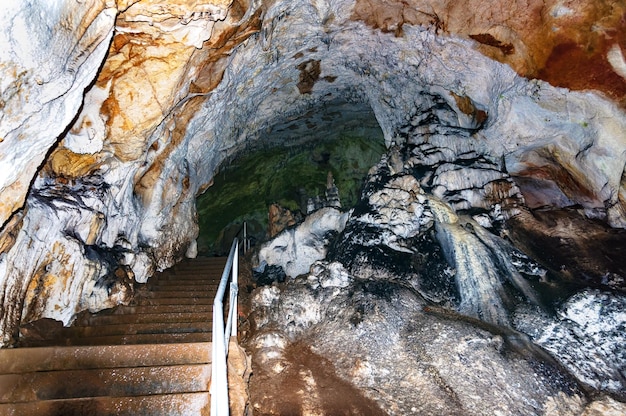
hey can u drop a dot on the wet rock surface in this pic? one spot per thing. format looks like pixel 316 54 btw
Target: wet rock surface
pixel 383 338
pixel 428 307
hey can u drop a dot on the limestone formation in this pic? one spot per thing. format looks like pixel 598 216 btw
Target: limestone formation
pixel 393 307
pixel 116 115
pixel 297 248
pixel 51 52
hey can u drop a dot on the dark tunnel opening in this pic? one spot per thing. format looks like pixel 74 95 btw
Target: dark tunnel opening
pixel 290 170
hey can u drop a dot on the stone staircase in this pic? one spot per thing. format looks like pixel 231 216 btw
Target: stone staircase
pixel 152 357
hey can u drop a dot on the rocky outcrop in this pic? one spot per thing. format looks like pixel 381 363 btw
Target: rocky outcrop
pixel 550 40
pixel 295 249
pixel 427 310
pixel 406 356
pixel 279 218
pixel 586 336
pixel 51 53
pixel 116 186
pixel 186 86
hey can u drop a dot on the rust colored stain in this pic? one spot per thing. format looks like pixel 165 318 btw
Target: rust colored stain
pixel 464 103
pixel 487 39
pixel 10 231
pixel 391 16
pixel 498 190
pixel 572 66
pixel 556 238
pixel 211 62
pixel 566 51
pixel 65 164
pixel 466 106
pixel 281 394
pixel 309 73
pixel 119 41
pixel 145 185
pixel 568 184
pixel 212 66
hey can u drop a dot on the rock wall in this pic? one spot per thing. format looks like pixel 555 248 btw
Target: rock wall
pixel 187 85
pixel 428 309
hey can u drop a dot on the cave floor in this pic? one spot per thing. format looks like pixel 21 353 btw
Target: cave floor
pixel 306 383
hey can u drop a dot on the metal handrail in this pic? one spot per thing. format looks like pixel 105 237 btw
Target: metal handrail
pixel 221 334
pixel 243 232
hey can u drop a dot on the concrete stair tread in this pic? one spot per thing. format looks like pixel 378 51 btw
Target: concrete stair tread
pixel 180 293
pixel 179 301
pixel 184 285
pixel 25 360
pixel 112 382
pixel 170 338
pixel 152 309
pixel 140 318
pixel 135 328
pixel 155 405
pixel 151 357
pixel 188 277
pixel 180 280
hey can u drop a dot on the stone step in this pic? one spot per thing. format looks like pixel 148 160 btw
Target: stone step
pixel 183 280
pixel 216 263
pixel 198 265
pixel 26 360
pixel 204 259
pixel 136 329
pixel 209 264
pixel 191 275
pixel 180 301
pixel 181 284
pixel 155 405
pixel 202 290
pixel 169 292
pixel 201 267
pixel 112 382
pixel 141 318
pixel 171 338
pixel 141 309
pixel 204 275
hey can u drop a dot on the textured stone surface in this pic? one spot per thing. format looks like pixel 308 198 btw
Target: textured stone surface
pixel 50 53
pixel 187 85
pixel 578 45
pixel 587 336
pixel 295 249
pixel 116 187
pixel 420 306
pixel 377 334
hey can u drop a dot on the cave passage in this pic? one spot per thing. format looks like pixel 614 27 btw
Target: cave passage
pixel 342 138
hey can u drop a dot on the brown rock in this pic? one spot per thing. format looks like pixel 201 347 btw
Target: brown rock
pixel 279 218
pixel 239 372
pixel 564 43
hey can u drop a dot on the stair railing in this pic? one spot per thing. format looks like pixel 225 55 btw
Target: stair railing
pixel 243 233
pixel 222 335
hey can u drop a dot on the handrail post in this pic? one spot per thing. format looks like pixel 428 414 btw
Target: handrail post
pixel 234 286
pixel 219 376
pixel 221 334
pixel 245 236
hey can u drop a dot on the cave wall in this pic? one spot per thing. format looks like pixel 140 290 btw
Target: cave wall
pixel 99 189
